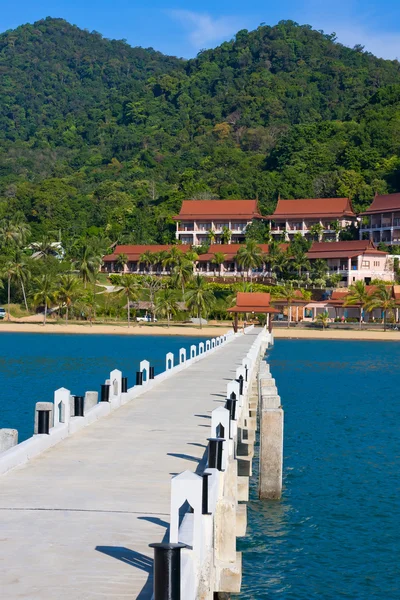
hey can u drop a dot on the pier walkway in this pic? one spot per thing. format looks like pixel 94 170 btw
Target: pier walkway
pixel 76 521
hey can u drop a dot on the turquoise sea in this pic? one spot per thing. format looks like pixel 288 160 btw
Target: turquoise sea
pixel 336 531
pixel 33 366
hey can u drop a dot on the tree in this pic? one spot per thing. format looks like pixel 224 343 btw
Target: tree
pixel 68 292
pixel 226 235
pixel 358 296
pixel 44 247
pixel 382 298
pixel 287 293
pixel 199 298
pixel 172 258
pixel 182 273
pixel 249 256
pixel 19 269
pixel 279 261
pixel 148 259
pixel 44 293
pixel 152 285
pixel 8 272
pixel 300 262
pixel 337 228
pixel 323 318
pixel 122 261
pixel 219 259
pixel 129 289
pixel 319 269
pixel 88 263
pixel 166 304
pixel 211 236
pixel 316 231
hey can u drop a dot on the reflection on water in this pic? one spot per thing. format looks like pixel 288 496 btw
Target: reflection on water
pixel 335 533
pixel 32 366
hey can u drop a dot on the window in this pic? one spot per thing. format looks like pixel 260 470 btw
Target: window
pixel 204 226
pixel 365 264
pixel 377 263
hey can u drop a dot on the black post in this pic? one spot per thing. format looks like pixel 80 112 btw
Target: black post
pixel 205 494
pixel 231 406
pixel 124 385
pixel 44 421
pixel 105 392
pixel 79 404
pixel 215 446
pixel 233 396
pixel 167 571
pixel 240 380
pixel 139 377
pixel 151 373
pixel 247 373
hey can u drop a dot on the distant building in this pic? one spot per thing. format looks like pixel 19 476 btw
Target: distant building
pixel 299 216
pixel 134 254
pixel 381 221
pixel 202 220
pixel 354 260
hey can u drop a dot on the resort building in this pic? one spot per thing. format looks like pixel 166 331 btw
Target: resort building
pixel 138 259
pixel 354 260
pixel 202 221
pixel 325 215
pixel 381 222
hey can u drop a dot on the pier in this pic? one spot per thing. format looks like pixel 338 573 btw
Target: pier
pixel 78 518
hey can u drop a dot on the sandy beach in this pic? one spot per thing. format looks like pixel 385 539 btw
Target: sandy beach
pixel 334 334
pixel 136 329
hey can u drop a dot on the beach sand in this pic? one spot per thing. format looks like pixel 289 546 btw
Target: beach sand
pixel 334 334
pixel 135 329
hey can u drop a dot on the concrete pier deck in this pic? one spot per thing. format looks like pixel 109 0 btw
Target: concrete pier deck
pixel 75 522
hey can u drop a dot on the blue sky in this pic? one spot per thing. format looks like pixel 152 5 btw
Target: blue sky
pixel 183 27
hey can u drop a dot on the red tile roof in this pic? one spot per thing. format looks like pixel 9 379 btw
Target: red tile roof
pixel 218 209
pixel 385 203
pixel 134 252
pixel 314 207
pixel 257 302
pixel 349 249
pixel 230 250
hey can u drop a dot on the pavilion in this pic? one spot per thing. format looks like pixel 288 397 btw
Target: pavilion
pixel 253 303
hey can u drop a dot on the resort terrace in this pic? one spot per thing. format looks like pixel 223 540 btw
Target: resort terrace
pixel 381 221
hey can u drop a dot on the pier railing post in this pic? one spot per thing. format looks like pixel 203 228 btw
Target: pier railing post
pixel 167 571
pixel 105 392
pixel 79 406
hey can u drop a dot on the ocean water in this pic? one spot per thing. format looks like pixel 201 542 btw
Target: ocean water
pixel 336 531
pixel 33 366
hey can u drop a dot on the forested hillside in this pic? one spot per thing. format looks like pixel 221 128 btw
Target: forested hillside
pixel 101 139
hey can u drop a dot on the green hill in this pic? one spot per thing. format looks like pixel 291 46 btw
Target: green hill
pixel 100 138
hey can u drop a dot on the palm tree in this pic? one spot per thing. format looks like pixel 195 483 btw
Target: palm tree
pixel 250 256
pixel 88 263
pixel 69 291
pixel 166 303
pixel 8 272
pixel 219 259
pixel 323 318
pixel 358 295
pixel 45 293
pixel 129 289
pixel 211 236
pixel 337 228
pixel 45 247
pixel 147 259
pixel 122 261
pixel 226 235
pixel 182 273
pixel 289 294
pixel 19 269
pixel 199 298
pixel 382 298
pixel 279 261
pixel 300 262
pixel 316 231
pixel 173 257
pixel 10 233
pixel 319 268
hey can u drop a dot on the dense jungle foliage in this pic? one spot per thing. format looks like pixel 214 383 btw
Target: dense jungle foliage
pixel 98 139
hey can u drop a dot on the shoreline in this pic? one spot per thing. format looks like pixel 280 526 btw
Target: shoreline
pixel 334 334
pixel 112 329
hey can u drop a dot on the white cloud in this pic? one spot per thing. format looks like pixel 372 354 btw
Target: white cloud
pixel 203 29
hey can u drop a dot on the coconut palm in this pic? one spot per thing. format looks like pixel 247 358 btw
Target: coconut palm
pixel 128 288
pixel 250 256
pixel 182 273
pixel 68 292
pixel 287 293
pixel 88 263
pixel 44 293
pixel 44 247
pixel 13 232
pixel 20 270
pixel 337 228
pixel 219 259
pixel 172 258
pixel 122 261
pixel 199 298
pixel 226 235
pixel 148 259
pixel 316 231
pixel 8 272
pixel 151 286
pixel 211 236
pixel 166 304
pixel 358 296
pixel 323 318
pixel 300 262
pixel 319 268
pixel 382 298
